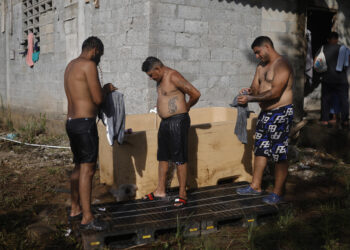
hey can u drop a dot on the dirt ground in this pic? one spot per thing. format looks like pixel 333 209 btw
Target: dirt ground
pixel 34 196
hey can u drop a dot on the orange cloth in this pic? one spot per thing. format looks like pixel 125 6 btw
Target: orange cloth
pixel 29 58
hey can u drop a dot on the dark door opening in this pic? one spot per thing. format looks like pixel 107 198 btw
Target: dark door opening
pixel 320 23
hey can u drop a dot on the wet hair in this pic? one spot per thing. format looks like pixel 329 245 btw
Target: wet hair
pixel 150 63
pixel 333 35
pixel 93 42
pixel 261 40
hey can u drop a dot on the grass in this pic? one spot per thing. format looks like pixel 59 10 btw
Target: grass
pixel 34 127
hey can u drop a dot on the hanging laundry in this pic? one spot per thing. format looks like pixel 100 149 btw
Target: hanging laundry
pixel 36 52
pixel 29 58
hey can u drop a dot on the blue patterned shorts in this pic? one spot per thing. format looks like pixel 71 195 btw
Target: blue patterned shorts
pixel 272 130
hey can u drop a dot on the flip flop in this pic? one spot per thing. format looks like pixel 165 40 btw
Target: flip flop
pixel 180 202
pixel 95 225
pixel 75 217
pixel 152 197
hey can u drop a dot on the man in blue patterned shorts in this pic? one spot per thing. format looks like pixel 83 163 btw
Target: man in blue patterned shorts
pixel 272 89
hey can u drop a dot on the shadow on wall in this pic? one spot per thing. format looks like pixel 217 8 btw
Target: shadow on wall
pixel 132 153
pixel 192 170
pixel 249 147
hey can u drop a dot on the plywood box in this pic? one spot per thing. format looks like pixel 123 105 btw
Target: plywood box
pixel 215 153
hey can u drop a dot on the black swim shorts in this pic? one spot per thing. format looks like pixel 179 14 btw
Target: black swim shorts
pixel 173 139
pixel 83 137
pixel 272 130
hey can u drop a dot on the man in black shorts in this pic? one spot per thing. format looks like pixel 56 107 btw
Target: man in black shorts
pixel 173 131
pixel 84 95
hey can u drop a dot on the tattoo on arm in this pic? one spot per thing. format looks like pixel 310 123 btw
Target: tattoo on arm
pixel 172 105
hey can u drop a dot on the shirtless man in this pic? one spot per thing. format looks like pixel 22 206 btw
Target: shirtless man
pixel 84 95
pixel 173 131
pixel 272 89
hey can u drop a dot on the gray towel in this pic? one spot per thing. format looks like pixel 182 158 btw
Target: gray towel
pixel 241 123
pixel 112 115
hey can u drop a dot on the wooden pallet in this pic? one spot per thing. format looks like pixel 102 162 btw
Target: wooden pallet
pixel 137 222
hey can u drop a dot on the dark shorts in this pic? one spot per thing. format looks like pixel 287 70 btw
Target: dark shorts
pixel 173 139
pixel 272 130
pixel 83 137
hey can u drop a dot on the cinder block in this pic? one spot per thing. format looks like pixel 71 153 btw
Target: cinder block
pixel 211 68
pixel 189 12
pixel 134 65
pixel 169 24
pixel 164 9
pixel 194 54
pixel 172 53
pixel 221 54
pixel 273 26
pixel 219 28
pixel 192 26
pixel 174 1
pixel 139 52
pixel 140 23
pixel 162 37
pixel 136 38
pixel 187 40
pixel 212 41
pixel 124 52
pixel 201 3
pixel 70 27
pixel 138 9
pixel 187 67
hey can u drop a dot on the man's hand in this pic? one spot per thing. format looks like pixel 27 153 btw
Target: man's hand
pixel 109 87
pixel 243 99
pixel 246 91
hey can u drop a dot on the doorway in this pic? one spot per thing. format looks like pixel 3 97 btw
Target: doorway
pixel 319 23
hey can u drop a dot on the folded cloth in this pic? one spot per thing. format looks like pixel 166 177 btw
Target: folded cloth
pixel 343 58
pixel 241 123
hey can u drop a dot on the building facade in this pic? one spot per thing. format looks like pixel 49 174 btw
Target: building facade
pixel 208 41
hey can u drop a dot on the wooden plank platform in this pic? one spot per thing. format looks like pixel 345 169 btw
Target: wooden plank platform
pixel 138 221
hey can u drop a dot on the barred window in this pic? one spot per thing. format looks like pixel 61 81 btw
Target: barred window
pixel 32 9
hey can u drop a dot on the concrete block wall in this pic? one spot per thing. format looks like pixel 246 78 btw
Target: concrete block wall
pixel 208 42
pixel 38 89
pixel 123 26
pixel 3 67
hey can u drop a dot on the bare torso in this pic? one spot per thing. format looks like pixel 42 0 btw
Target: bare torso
pixel 266 76
pixel 80 103
pixel 171 101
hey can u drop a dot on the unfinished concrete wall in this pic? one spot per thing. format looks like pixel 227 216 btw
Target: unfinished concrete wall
pixel 123 27
pixel 3 67
pixel 208 42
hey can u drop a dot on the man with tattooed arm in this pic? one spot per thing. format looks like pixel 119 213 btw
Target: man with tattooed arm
pixel 173 108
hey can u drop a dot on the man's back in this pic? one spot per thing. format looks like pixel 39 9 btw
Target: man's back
pixel 331 52
pixel 80 102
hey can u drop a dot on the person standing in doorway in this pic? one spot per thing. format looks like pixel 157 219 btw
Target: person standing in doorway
pixel 173 108
pixel 84 95
pixel 334 83
pixel 272 89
